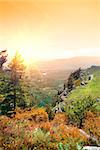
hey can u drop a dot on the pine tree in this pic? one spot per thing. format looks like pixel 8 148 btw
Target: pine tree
pixel 17 71
pixel 3 82
pixel 14 89
pixel 3 59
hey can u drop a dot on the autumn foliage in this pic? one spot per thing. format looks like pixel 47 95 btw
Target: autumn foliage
pixel 32 129
pixel 92 124
pixel 36 115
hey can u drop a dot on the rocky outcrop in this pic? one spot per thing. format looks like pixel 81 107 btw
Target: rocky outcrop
pixel 77 78
pixel 91 148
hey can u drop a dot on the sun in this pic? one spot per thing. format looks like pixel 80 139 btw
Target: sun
pixel 33 52
pixel 28 56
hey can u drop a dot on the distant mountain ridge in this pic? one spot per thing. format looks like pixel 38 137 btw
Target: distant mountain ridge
pixel 69 63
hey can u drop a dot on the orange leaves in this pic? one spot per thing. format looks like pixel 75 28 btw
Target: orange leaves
pixel 59 119
pixel 46 126
pixel 37 115
pixel 32 127
pixel 67 132
pixel 92 124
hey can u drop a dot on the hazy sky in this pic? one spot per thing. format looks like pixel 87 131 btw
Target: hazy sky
pixel 50 28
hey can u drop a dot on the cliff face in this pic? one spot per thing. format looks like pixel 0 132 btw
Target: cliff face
pixel 80 84
pixel 93 68
pixel 76 79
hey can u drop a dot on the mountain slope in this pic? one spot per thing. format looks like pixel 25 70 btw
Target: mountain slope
pixel 91 89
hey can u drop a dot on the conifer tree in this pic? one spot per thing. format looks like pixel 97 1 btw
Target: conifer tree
pixel 16 78
pixel 13 85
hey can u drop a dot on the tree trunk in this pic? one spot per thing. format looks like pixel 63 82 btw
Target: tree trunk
pixel 14 98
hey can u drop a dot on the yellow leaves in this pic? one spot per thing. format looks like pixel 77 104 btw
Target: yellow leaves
pixel 36 115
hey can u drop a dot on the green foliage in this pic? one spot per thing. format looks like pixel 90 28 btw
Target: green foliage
pixel 79 146
pixel 47 100
pixel 50 113
pixel 96 107
pixel 82 99
pixel 17 70
pixel 62 146
pixel 76 110
pixel 5 93
pixel 40 138
pixel 91 89
pixel 13 86
pixel 70 145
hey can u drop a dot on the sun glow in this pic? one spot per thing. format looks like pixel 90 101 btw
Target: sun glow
pixel 26 54
pixel 34 56
pixel 29 52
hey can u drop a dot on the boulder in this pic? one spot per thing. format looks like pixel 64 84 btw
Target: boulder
pixel 90 77
pixel 91 148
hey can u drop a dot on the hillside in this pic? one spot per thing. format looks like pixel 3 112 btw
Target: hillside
pixel 39 127
pixel 91 89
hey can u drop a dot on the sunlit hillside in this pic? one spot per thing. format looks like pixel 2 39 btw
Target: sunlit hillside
pixel 91 89
pixel 49 74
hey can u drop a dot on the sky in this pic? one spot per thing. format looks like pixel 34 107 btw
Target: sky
pixel 50 29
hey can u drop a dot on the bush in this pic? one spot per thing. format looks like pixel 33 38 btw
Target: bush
pixel 59 119
pixel 68 135
pixel 76 110
pixel 91 124
pixel 36 115
pixel 51 114
pixel 17 134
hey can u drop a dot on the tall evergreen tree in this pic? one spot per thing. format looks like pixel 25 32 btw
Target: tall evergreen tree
pixel 17 71
pixel 14 89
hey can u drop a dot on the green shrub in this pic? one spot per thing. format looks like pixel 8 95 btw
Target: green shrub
pixel 76 110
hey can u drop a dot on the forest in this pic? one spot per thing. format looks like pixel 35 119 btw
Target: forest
pixel 59 111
